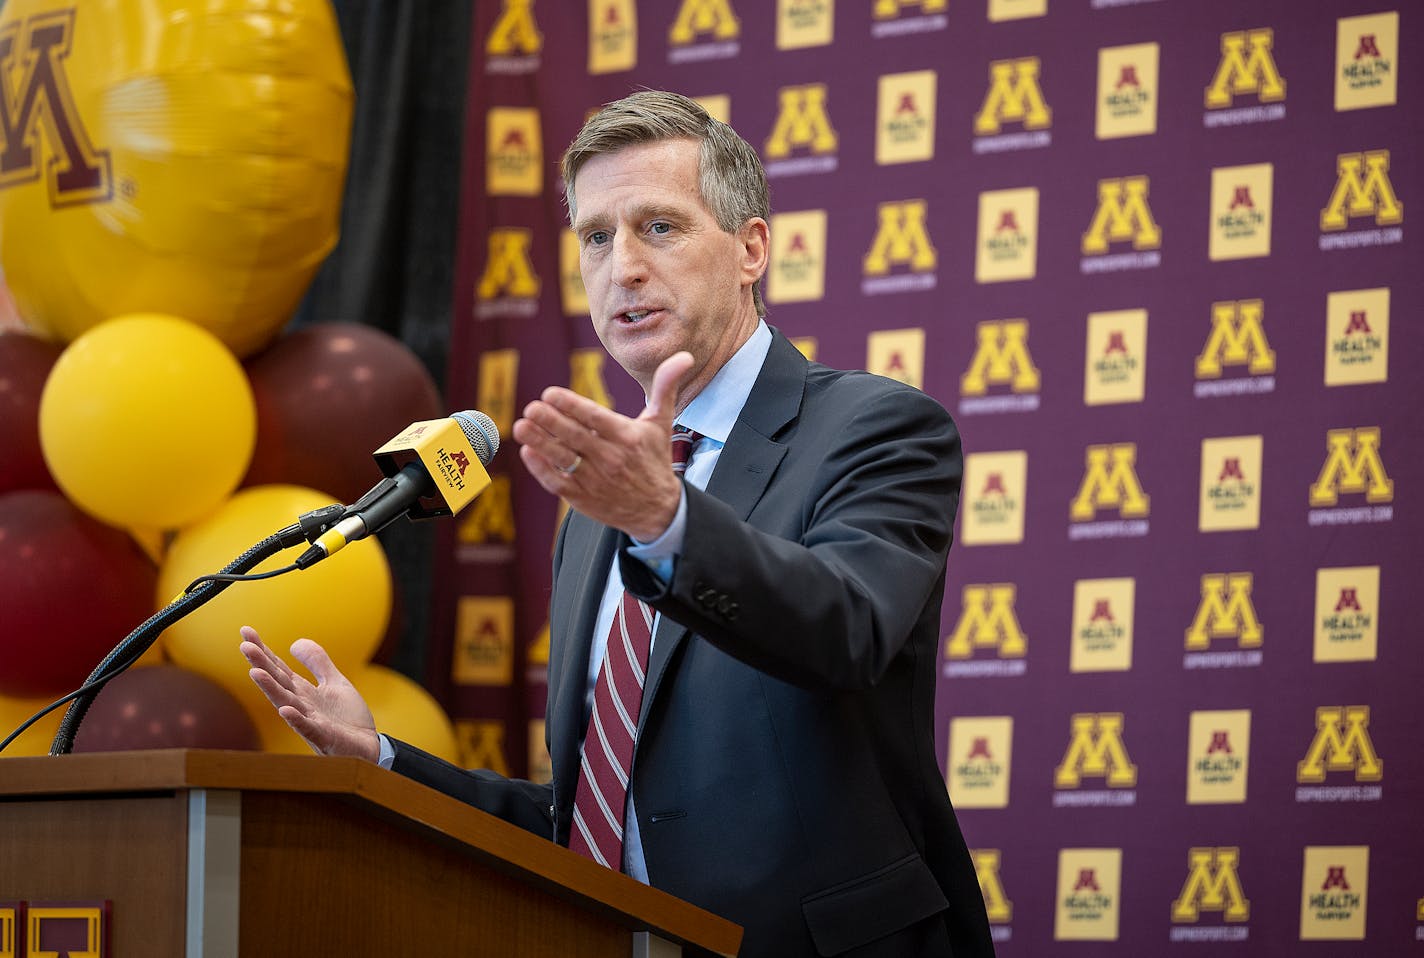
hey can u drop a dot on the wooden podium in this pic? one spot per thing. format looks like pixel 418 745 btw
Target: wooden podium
pixel 220 854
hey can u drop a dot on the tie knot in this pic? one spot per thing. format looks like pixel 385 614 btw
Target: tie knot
pixel 683 440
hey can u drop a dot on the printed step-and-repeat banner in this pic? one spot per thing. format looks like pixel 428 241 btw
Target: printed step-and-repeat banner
pixel 1154 257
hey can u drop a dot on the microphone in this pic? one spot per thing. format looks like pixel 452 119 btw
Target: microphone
pixel 432 468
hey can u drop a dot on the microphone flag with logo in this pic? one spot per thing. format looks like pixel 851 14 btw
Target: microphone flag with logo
pixel 433 468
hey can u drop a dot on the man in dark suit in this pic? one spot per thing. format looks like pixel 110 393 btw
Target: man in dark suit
pixel 782 769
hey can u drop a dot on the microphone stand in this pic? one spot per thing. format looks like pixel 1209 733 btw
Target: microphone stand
pixel 127 652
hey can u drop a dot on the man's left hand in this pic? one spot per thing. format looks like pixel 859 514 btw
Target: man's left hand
pixel 611 468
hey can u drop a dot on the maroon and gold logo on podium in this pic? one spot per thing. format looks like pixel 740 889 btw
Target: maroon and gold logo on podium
pixel 45 928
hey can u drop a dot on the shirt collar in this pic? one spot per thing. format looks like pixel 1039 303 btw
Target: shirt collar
pixel 715 409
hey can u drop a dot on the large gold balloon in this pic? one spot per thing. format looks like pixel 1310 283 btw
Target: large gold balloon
pixel 148 421
pixel 176 156
pixel 406 711
pixel 343 603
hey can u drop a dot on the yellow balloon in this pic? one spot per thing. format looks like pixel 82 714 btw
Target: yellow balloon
pixel 405 710
pixel 343 602
pixel 154 542
pixel 147 420
pixel 34 740
pixel 181 156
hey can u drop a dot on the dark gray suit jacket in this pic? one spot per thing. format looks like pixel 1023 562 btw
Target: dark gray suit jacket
pixel 785 773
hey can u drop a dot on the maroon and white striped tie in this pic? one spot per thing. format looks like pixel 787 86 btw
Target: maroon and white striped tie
pixel 601 799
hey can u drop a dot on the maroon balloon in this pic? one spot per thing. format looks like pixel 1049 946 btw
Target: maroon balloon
pixel 327 397
pixel 25 362
pixel 71 588
pixel 163 706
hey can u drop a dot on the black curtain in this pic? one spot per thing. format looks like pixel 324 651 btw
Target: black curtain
pixel 394 264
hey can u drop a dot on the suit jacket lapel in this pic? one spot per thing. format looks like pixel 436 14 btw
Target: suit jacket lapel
pixel 743 471
pixel 753 452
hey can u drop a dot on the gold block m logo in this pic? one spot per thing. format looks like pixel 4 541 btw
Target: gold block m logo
pixel 1236 339
pixel 1362 188
pixel 515 31
pixel 1241 72
pixel 1096 751
pixel 885 9
pixel 482 745
pixel 986 867
pixel 1014 97
pixel 1002 359
pixel 1110 482
pixel 1225 612
pixel 490 518
pixel 508 270
pixel 1352 466
pixel 901 240
pixel 586 376
pixel 1341 744
pixel 702 17
pixel 36 106
pixel 802 122
pixel 987 620
pixel 1212 885
pixel 1122 215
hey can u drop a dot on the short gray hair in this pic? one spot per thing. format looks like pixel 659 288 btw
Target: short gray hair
pixel 730 176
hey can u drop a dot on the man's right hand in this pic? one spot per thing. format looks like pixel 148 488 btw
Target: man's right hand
pixel 330 716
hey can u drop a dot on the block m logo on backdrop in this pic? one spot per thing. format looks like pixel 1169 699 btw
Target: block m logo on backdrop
pixel 1246 67
pixel 1362 188
pixel 490 517
pixel 509 271
pixel 991 886
pixel 987 621
pixel 1225 612
pixel 515 31
pixel 34 85
pixel 1352 466
pixel 700 17
pixel 1341 744
pixel 1212 885
pixel 1122 215
pixel 901 239
pixel 802 122
pixel 1096 751
pixel 1002 358
pixel 884 9
pixel 1110 482
pixel 1014 97
pixel 1236 339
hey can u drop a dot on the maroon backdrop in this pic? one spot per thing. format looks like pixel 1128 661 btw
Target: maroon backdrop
pixel 1153 255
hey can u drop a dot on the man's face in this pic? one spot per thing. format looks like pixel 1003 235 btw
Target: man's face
pixel 661 275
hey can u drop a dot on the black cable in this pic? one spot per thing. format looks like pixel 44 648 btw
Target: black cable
pixel 307 528
pixel 250 577
pixel 127 652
